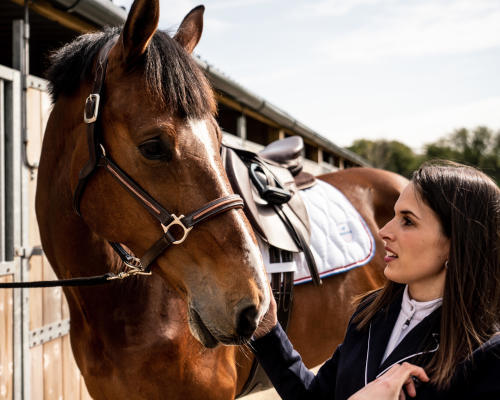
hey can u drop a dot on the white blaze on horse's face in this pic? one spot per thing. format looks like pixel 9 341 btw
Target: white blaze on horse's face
pixel 224 276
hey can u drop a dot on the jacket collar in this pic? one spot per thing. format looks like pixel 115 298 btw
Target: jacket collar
pixel 423 338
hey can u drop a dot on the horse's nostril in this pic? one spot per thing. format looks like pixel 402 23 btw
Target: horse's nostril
pixel 247 322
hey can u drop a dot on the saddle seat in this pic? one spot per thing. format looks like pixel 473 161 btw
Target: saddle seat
pixel 286 152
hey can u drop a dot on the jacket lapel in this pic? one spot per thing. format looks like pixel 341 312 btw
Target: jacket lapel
pixel 423 338
pixel 380 332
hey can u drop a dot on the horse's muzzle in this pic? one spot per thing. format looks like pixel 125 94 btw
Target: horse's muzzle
pixel 246 324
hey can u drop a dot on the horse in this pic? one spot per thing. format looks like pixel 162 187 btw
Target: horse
pixel 179 333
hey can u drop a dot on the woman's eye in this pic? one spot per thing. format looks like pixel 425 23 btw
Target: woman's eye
pixel 407 221
pixel 154 149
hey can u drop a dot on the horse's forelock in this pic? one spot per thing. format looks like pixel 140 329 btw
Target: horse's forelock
pixel 172 76
pixel 72 63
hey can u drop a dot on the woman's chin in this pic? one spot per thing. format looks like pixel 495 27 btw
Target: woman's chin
pixel 392 275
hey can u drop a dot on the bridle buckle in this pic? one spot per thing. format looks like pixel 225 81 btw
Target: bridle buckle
pixel 132 271
pixel 177 221
pixel 92 108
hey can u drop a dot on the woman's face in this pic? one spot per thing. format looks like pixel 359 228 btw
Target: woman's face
pixel 416 247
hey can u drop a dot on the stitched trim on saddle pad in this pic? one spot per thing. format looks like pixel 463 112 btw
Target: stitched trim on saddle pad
pixel 340 238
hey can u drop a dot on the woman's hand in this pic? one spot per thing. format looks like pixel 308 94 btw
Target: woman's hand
pixel 269 320
pixel 390 385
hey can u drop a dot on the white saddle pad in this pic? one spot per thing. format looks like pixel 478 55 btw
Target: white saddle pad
pixel 340 238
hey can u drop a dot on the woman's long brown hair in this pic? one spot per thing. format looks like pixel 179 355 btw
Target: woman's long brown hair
pixel 467 203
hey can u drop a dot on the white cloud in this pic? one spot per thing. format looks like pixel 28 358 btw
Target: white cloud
pixel 417 129
pixel 424 28
pixel 331 8
pixel 226 4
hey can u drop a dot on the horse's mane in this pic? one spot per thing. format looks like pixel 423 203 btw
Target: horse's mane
pixel 171 75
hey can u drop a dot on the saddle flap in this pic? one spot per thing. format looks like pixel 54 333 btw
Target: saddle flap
pixel 266 223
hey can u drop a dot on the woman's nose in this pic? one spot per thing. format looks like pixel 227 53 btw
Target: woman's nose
pixel 384 232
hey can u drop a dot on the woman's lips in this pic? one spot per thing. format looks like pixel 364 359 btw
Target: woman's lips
pixel 390 255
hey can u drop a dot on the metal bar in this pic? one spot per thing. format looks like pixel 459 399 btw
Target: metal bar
pixel 34 82
pixel 2 171
pixel 13 160
pixel 48 332
pixel 7 74
pixel 7 268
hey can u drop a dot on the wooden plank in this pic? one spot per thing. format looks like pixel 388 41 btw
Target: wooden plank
pixel 52 358
pixel 36 301
pixel 36 262
pixel 34 125
pixel 36 322
pixel 6 345
pixel 36 367
pixel 53 370
pixel 84 393
pixel 71 374
pixel 45 9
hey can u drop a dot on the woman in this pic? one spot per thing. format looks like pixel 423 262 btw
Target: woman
pixel 439 310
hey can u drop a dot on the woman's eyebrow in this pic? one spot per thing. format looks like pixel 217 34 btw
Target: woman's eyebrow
pixel 408 212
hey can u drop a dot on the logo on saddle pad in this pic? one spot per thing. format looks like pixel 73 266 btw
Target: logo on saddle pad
pixel 345 231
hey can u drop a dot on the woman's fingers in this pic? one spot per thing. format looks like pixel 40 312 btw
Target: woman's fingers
pixel 390 385
pixel 410 387
pixel 410 370
pixel 406 374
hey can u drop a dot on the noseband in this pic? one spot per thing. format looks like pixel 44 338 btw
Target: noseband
pixel 98 158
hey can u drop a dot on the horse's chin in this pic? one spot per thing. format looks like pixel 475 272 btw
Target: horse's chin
pixel 200 330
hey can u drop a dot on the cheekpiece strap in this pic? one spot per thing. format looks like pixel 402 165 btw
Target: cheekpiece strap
pixel 90 117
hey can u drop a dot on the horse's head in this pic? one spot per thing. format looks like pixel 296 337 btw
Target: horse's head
pixel 157 124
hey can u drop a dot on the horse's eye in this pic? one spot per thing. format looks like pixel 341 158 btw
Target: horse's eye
pixel 155 149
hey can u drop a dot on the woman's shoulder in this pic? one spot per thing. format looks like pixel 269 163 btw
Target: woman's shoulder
pixel 478 374
pixel 363 303
pixel 489 349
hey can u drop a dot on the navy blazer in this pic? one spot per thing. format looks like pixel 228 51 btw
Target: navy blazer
pixel 357 361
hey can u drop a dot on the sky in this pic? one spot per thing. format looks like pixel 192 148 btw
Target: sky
pixel 406 70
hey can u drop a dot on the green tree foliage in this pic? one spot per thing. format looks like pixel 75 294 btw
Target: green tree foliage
pixel 479 147
pixel 390 155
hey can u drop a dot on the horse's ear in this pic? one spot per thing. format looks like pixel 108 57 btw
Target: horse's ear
pixel 189 33
pixel 141 25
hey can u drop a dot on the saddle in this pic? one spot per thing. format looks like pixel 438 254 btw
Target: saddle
pixel 268 179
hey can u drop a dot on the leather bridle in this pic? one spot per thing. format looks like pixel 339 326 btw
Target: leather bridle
pixel 167 220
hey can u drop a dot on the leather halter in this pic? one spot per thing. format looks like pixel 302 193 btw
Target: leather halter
pixel 98 158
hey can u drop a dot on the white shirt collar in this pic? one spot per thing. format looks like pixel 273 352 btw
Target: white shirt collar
pixel 418 310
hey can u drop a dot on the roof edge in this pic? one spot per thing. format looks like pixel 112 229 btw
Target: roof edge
pixel 259 104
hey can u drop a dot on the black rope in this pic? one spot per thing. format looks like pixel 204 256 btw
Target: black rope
pixel 92 280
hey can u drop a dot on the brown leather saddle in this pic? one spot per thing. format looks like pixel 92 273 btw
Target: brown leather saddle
pixel 263 183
